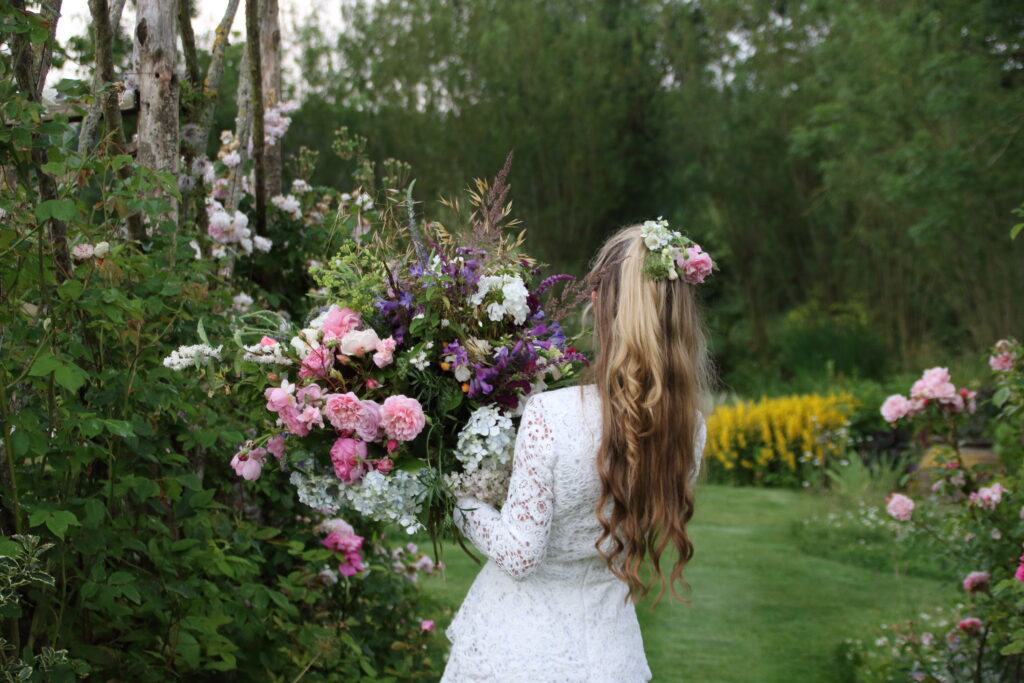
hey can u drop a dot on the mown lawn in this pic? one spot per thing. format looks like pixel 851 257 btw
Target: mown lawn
pixel 761 609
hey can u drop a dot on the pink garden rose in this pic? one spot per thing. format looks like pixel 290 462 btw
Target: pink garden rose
pixel 347 456
pixel 359 342
pixel 290 418
pixel 971 625
pixel 317 364
pixel 896 407
pixel 988 497
pixel 276 446
pixel 402 417
pixel 280 397
pixel 976 582
pixel 81 252
pixel 385 351
pixel 343 410
pixel 339 322
pixel 899 507
pixel 310 416
pixel 1002 362
pixel 934 384
pixel 267 341
pixel 343 543
pixel 248 465
pixel 368 421
pixel 427 625
pixel 336 525
pixel 353 565
pixel 385 465
pixel 696 264
pixel 1019 574
pixel 311 393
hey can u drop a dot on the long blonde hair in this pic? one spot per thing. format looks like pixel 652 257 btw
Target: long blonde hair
pixel 652 373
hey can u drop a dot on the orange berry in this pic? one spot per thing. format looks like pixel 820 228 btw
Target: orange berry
pixel 465 388
pixel 445 366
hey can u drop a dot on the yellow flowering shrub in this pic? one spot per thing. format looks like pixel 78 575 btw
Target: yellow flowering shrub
pixel 777 441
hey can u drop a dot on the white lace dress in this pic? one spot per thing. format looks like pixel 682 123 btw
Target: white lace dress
pixel 545 606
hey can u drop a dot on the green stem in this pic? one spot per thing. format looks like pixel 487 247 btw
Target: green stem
pixel 9 453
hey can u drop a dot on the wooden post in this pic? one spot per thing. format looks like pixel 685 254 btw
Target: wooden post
pixel 156 47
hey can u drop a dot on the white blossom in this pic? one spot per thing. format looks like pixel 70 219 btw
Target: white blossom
pixel 241 302
pixel 486 441
pixel 190 356
pixel 514 297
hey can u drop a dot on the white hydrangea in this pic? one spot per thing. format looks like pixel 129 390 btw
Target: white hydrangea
pixel 514 295
pixel 318 491
pixel 391 498
pixel 191 356
pixel 487 440
pixel 489 486
pixel 656 234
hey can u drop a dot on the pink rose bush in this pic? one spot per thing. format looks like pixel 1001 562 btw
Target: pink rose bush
pixel 899 507
pixel 934 393
pixel 976 581
pixel 988 496
pixel 1005 355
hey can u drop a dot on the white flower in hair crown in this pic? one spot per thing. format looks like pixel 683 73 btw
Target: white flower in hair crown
pixel 673 255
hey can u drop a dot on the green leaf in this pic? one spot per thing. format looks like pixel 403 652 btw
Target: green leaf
pixel 70 290
pixel 45 364
pixel 8 547
pixel 188 649
pixel 61 209
pixel 70 376
pixel 201 498
pixel 119 427
pixel 54 168
pixel 201 331
pixel 120 578
pixel 57 521
pixel 1001 396
pixel 1015 230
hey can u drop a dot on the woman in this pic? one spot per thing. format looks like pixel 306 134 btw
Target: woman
pixel 602 478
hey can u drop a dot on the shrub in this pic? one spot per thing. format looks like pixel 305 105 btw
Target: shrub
pixel 778 441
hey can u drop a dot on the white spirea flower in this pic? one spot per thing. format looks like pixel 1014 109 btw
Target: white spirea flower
pixel 241 302
pixel 232 159
pixel 262 243
pixel 299 186
pixel 190 356
pixel 272 354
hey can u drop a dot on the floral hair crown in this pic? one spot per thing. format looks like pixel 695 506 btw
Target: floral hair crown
pixel 673 255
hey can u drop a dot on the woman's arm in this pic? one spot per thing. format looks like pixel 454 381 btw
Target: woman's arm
pixel 516 538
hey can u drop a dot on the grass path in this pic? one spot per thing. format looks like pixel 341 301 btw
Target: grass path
pixel 761 609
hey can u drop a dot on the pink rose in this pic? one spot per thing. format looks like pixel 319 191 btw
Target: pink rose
pixel 392 445
pixel 220 188
pixel 385 465
pixel 311 393
pixel 352 566
pixel 934 384
pixel 289 417
pixel 248 465
pixel 336 525
pixel 696 264
pixel 280 397
pixel 371 383
pixel 402 417
pixel 359 342
pixel 1019 575
pixel 343 410
pixel 347 457
pixel 339 322
pixel 368 421
pixel 311 416
pixel 343 543
pixel 971 625
pixel 317 364
pixel 895 408
pixel 976 581
pixel 1002 362
pixel 899 507
pixel 81 252
pixel 276 446
pixel 385 352
pixel 988 497
pixel 427 625
pixel 267 341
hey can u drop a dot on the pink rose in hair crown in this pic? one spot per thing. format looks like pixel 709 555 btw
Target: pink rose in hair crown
pixel 899 507
pixel 339 322
pixel 347 456
pixel 695 263
pixel 402 418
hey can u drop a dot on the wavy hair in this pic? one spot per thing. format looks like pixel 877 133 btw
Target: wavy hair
pixel 652 373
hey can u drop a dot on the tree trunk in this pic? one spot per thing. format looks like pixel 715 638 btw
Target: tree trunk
pixel 243 130
pixel 156 48
pixel 252 38
pixel 87 131
pixel 270 65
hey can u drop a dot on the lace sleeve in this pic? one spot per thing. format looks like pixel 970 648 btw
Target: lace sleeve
pixel 516 538
pixel 698 448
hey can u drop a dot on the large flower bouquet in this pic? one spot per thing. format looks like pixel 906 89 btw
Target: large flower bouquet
pixel 403 387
